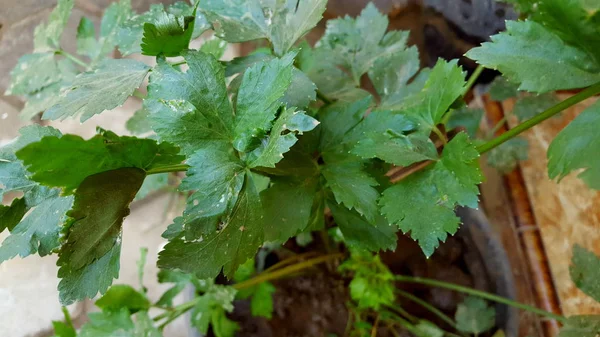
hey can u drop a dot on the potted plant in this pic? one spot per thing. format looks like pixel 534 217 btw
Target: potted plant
pixel 275 145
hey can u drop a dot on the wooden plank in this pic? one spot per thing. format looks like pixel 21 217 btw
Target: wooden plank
pixel 567 213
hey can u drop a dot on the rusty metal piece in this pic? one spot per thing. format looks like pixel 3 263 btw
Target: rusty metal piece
pixel 529 235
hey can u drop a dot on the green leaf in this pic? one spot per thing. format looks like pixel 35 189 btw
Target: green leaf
pixel 511 53
pixel 123 296
pixel 167 35
pixel 237 239
pixel 585 270
pixel 581 326
pixel 217 176
pixel 507 156
pixel 47 36
pixel 93 231
pixel 63 329
pixel 372 285
pixel 445 84
pixel 113 323
pixel 214 46
pixel 282 22
pixel 38 230
pixel 261 303
pixel 501 89
pixel 529 106
pixel 258 99
pixel 351 185
pixel 287 206
pixel 86 38
pixel 357 43
pixel 203 87
pixel 210 309
pixel 144 326
pixel 65 162
pixel 11 215
pixel 90 280
pixel 105 88
pixel 32 73
pixel 398 149
pixel 467 118
pixel 180 280
pixel 130 33
pixel 139 123
pixel 576 147
pixel 392 86
pixel 428 329
pixel 114 17
pixel 423 203
pixel 288 125
pixel 360 233
pixel 475 316
pixel 152 184
pixel 339 119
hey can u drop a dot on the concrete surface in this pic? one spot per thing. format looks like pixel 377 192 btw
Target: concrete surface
pixel 28 295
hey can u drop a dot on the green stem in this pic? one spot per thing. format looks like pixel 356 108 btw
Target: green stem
pixel 67 315
pixel 440 135
pixel 264 277
pixel 178 63
pixel 427 306
pixel 323 98
pixel 73 58
pixel 137 93
pixel 403 312
pixel 473 79
pixel 478 293
pixel 170 168
pixel 582 95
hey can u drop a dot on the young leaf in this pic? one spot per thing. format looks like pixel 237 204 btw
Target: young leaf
pixel 202 86
pixel 474 316
pixel 237 239
pixel 576 147
pixel 507 156
pixel 428 329
pixel 585 271
pixel 47 36
pixel 139 123
pixel 261 303
pixel 86 38
pixel 65 162
pixel 180 281
pixel 581 326
pixel 112 323
pixel 511 53
pixel 62 329
pixel 372 285
pixel 144 326
pixel 167 35
pixel 123 296
pixel 529 106
pixel 445 84
pixel 360 233
pixel 214 46
pixel 423 203
pixel 357 43
pixel 152 184
pixel 105 88
pixel 282 22
pixel 258 99
pixel 130 33
pixel 210 309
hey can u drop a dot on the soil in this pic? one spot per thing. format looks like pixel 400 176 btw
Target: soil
pixel 313 304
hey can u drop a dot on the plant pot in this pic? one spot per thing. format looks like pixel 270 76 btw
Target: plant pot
pixel 314 303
